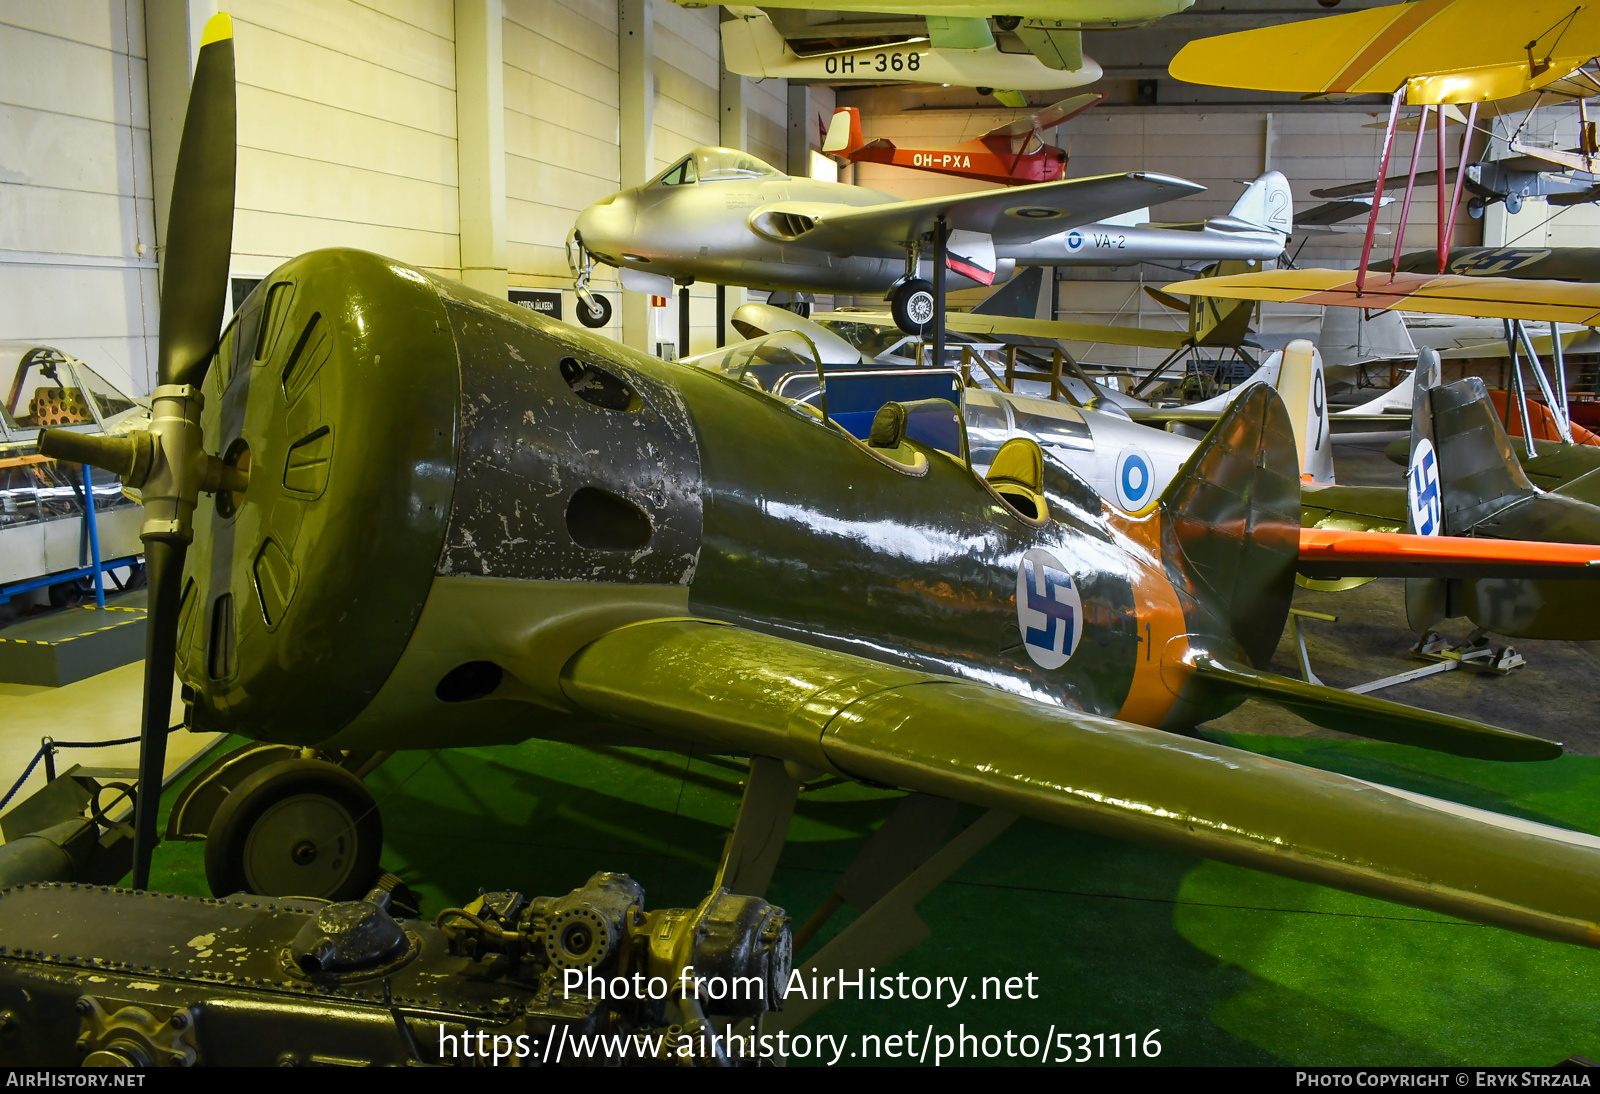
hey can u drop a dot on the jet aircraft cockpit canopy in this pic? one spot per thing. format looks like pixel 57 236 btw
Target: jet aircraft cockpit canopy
pixel 716 165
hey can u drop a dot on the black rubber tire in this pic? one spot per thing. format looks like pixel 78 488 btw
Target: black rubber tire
pixel 984 90
pixel 595 319
pixel 912 307
pixel 228 838
pixel 1012 22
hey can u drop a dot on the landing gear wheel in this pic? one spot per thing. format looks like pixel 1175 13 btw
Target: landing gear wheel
pixel 1513 204
pixel 296 828
pixel 984 90
pixel 1008 22
pixel 597 318
pixel 912 306
pixel 1475 207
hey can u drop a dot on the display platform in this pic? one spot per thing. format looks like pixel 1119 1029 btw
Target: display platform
pixel 74 643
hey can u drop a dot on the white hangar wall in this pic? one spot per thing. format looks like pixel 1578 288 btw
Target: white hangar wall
pixel 348 136
pixel 562 131
pixel 347 131
pixel 77 234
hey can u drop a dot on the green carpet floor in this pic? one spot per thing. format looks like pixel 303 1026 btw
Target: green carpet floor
pixel 1232 966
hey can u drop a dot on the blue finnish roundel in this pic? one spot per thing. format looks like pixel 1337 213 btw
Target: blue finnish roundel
pixel 1049 609
pixel 1074 240
pixel 1422 491
pixel 1135 479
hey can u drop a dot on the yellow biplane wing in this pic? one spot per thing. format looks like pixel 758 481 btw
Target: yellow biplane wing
pixel 1011 326
pixel 1447 294
pixel 1443 51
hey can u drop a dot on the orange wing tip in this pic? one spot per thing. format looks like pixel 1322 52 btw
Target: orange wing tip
pixel 218 28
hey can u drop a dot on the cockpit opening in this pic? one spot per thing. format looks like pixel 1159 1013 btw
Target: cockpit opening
pixel 716 165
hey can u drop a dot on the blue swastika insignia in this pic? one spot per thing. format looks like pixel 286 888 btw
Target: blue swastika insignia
pixel 1422 491
pixel 1049 609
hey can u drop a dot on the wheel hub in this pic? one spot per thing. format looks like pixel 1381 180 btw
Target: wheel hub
pixel 304 845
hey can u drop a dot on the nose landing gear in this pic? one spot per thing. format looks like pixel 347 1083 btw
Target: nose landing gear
pixel 593 311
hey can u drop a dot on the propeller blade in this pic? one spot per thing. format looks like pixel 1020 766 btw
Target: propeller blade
pixel 194 280
pixel 194 291
pixel 163 561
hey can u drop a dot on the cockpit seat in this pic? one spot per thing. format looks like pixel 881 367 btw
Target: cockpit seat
pixel 52 406
pixel 936 423
pixel 1017 475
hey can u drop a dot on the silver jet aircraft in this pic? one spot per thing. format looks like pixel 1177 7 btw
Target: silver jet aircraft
pixel 724 216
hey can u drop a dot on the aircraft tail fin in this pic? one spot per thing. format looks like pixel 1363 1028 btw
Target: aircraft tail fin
pixel 844 132
pixel 1216 321
pixel 1350 336
pixel 1231 527
pixel 1462 469
pixel 1305 393
pixel 1025 296
pixel 751 44
pixel 1267 203
pixel 1234 515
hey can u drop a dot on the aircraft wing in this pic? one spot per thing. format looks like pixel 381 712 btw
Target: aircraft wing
pixel 1009 326
pixel 735 690
pixel 1104 333
pixel 1450 51
pixel 1017 214
pixel 1048 118
pixel 1364 189
pixel 1448 294
pixel 1162 417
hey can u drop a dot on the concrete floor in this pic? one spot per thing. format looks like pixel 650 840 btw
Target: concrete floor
pixel 100 708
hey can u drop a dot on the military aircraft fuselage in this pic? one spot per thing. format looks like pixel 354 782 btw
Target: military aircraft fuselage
pixel 1220 239
pixel 714 230
pixel 453 496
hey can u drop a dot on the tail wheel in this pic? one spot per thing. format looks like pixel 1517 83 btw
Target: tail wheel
pixel 296 828
pixel 912 306
pixel 599 317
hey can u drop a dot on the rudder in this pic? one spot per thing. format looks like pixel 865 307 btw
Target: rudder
pixel 1231 526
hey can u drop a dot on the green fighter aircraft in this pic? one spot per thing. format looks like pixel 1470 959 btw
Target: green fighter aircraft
pixel 390 512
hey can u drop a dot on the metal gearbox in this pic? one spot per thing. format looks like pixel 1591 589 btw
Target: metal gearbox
pixel 96 975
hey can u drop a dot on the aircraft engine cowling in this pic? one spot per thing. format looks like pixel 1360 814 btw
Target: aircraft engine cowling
pixel 337 382
pixel 413 442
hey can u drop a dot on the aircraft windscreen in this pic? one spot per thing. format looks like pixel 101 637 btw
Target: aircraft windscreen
pixel 987 428
pixel 762 362
pixel 678 174
pixel 112 402
pixel 44 392
pixel 857 334
pixel 718 164
pixel 1050 423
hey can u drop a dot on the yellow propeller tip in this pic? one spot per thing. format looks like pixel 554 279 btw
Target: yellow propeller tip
pixel 218 28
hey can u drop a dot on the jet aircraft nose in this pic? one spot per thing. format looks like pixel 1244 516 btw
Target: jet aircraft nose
pixel 605 226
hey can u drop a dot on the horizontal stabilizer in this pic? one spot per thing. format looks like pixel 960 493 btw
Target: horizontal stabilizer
pixel 727 688
pixel 1371 717
pixel 1332 553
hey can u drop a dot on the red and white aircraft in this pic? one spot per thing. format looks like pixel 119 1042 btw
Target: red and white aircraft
pixel 1014 153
